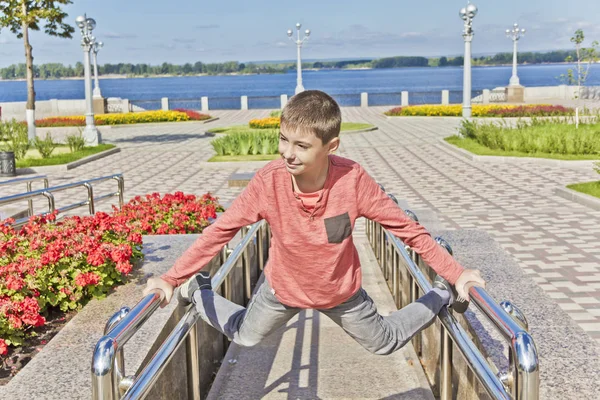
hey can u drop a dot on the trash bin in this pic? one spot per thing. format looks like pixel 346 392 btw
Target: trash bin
pixel 8 166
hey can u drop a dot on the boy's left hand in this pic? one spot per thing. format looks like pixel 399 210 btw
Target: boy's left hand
pixel 466 280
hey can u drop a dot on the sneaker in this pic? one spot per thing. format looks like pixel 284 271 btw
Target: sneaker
pixel 457 303
pixel 199 281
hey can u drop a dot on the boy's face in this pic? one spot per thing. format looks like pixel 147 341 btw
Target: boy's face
pixel 304 152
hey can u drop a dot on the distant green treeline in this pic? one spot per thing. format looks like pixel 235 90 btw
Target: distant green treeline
pixel 57 70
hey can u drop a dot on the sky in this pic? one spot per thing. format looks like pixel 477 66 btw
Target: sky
pixel 180 31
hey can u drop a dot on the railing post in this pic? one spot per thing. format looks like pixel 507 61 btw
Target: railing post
pixel 445 365
pixel 246 271
pixel 30 201
pixel 260 249
pixel 485 97
pixel 118 371
pixel 193 363
pixel 284 100
pixel 364 99
pixel 104 386
pixel 90 201
pixel 445 97
pixel 244 102
pixel 164 103
pixel 125 106
pixel 404 99
pixel 414 295
pixel 121 188
pixel 51 203
pixel 395 278
pixel 204 103
pixel 525 368
pixel 381 247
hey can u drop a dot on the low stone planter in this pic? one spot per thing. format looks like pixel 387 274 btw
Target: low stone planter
pixel 71 165
pixel 576 164
pixel 62 369
pixel 577 197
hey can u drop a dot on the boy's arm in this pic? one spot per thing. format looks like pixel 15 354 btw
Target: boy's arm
pixel 246 209
pixel 375 205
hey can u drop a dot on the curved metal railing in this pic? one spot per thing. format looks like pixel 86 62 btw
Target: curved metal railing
pixel 108 372
pixel 28 181
pixel 521 381
pixel 48 193
pixel 109 380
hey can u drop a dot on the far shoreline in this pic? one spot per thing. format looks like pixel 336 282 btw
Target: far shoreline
pixel 122 76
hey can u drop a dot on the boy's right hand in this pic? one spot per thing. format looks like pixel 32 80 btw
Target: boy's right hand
pixel 166 288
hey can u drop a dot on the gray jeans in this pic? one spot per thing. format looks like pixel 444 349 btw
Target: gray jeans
pixel 357 316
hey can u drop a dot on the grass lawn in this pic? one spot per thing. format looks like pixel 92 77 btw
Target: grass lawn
pixel 479 149
pixel 258 157
pixel 346 126
pixel 591 188
pixel 61 155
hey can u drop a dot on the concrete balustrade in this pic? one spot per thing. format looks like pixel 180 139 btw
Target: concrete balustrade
pixel 54 107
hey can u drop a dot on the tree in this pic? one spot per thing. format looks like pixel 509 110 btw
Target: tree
pixel 443 62
pixel 20 16
pixel 585 58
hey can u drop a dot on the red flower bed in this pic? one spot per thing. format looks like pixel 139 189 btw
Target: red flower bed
pixel 59 121
pixel 193 115
pixel 171 214
pixel 530 111
pixel 62 265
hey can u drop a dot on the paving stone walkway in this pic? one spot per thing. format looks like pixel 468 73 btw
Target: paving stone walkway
pixel 554 240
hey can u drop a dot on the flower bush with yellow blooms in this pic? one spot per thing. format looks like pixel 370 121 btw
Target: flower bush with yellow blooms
pixel 265 123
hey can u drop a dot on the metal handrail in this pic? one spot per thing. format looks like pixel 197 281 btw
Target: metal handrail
pixel 522 382
pixel 48 193
pixel 29 181
pixel 108 375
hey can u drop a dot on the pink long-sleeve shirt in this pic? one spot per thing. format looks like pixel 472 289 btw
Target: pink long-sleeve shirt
pixel 313 262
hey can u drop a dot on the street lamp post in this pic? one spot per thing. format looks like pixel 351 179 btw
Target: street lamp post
pixel 299 42
pixel 467 14
pixel 96 49
pixel 515 34
pixel 87 25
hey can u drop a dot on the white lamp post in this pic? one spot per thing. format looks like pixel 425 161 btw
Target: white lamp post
pixel 96 49
pixel 90 133
pixel 515 34
pixel 299 42
pixel 467 14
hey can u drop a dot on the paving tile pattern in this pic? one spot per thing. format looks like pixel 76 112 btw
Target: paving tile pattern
pixel 554 240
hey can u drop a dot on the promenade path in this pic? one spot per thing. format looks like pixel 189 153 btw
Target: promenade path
pixel 554 240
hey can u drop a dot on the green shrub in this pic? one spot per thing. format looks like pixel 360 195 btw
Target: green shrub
pixel 15 135
pixel 75 142
pixel 468 128
pixel 45 146
pixel 276 113
pixel 553 136
pixel 243 143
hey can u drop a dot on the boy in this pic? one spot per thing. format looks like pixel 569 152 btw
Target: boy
pixel 311 199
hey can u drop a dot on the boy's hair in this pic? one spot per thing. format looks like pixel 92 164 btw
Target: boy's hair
pixel 313 111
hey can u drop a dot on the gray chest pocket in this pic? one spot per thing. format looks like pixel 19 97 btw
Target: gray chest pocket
pixel 338 228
